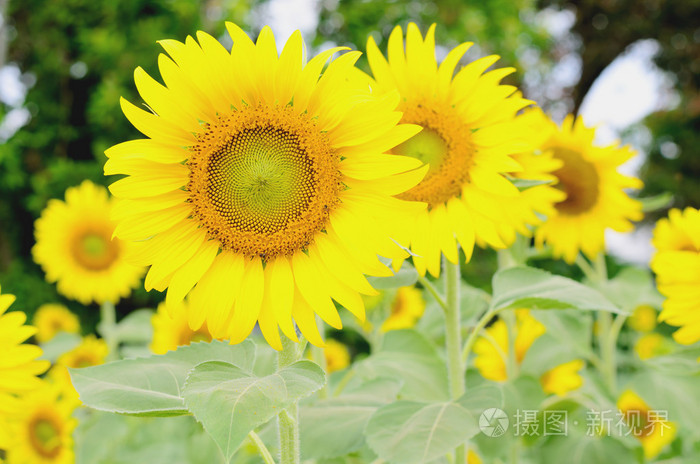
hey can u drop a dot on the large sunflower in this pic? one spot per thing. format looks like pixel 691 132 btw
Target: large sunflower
pixel 75 248
pixel 595 197
pixel 41 430
pixel 19 366
pixel 262 184
pixel 677 268
pixel 469 134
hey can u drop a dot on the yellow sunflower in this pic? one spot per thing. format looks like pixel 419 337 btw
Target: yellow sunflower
pixel 406 308
pixel 643 318
pixel 677 268
pixel 337 356
pixel 52 318
pixel 469 134
pixel 652 344
pixel 92 351
pixel 75 248
pixel 491 349
pixel 171 328
pixel 595 197
pixel 262 184
pixel 41 430
pixel 19 366
pixel 563 378
pixel 651 427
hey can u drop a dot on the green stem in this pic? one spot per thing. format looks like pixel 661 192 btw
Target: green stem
pixel 433 291
pixel 262 449
pixel 453 340
pixel 511 361
pixel 471 339
pixel 108 324
pixel 288 419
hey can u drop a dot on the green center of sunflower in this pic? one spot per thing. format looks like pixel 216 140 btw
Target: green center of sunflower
pixel 95 250
pixel 578 179
pixel 446 145
pixel 45 437
pixel 263 181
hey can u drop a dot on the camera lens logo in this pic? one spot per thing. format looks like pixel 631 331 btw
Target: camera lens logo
pixel 493 422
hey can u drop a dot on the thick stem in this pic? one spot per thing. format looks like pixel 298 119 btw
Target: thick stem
pixel 288 419
pixel 453 340
pixel 108 324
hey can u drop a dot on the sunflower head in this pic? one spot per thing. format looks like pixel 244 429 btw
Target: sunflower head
pixel 42 428
pixel 594 192
pixel 75 248
pixel 52 318
pixel 171 327
pixel 652 428
pixel 406 308
pixel 676 265
pixel 264 184
pixel 563 378
pixel 337 356
pixel 470 130
pixel 19 366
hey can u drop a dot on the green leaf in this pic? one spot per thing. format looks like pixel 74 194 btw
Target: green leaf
pixel 153 386
pixel 406 276
pixel 335 427
pixel 408 432
pixel 230 402
pixel 135 327
pixel 407 355
pixel 632 287
pixel 533 288
pixel 62 343
pixel 657 202
pixel 570 327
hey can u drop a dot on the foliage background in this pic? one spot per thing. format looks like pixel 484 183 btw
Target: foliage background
pixel 75 58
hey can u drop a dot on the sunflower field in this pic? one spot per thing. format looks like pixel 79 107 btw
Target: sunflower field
pixel 349 231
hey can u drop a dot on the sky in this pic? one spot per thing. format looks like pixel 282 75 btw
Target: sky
pixel 630 88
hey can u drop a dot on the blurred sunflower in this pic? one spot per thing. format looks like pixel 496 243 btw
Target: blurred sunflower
pixel 491 349
pixel 52 318
pixel 650 427
pixel 74 247
pixel 406 308
pixel 469 134
pixel 171 328
pixel 643 318
pixel 650 345
pixel 41 430
pixel 262 184
pixel 337 356
pixel 19 366
pixel 92 351
pixel 677 268
pixel 595 192
pixel 563 378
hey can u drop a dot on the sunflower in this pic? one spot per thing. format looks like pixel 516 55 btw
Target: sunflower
pixel 261 185
pixel 19 366
pixel 652 344
pixel 563 378
pixel 92 351
pixel 469 134
pixel 492 348
pixel 595 198
pixel 643 318
pixel 677 268
pixel 75 248
pixel 406 308
pixel 41 430
pixel 52 318
pixel 171 328
pixel 652 428
pixel 337 356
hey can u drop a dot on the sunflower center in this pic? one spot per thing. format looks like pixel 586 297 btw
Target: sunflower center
pixel 95 250
pixel 578 179
pixel 263 181
pixel 446 145
pixel 44 435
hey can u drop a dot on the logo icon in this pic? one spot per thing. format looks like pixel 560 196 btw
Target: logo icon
pixel 493 422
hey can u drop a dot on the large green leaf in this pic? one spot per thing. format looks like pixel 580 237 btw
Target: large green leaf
pixel 534 288
pixel 153 386
pixel 335 426
pixel 408 432
pixel 632 287
pixel 570 327
pixel 408 356
pixel 230 401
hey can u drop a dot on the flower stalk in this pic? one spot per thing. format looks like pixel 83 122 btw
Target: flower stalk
pixel 453 340
pixel 288 419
